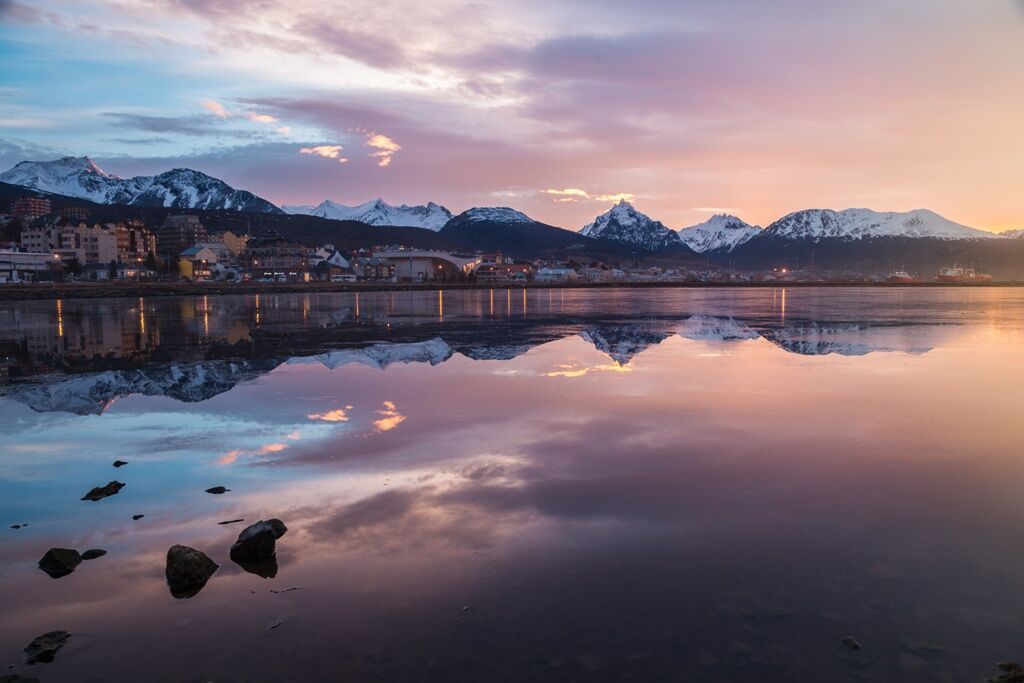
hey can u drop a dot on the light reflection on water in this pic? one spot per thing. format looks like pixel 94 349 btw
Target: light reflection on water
pixel 577 485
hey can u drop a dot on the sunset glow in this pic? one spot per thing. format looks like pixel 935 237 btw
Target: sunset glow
pixel 765 108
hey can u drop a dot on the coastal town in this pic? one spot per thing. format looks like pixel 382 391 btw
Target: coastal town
pixel 42 244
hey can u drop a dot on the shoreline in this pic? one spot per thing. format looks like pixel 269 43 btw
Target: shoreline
pixel 105 290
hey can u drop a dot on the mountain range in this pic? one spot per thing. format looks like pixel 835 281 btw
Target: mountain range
pixel 851 240
pixel 178 188
pixel 377 212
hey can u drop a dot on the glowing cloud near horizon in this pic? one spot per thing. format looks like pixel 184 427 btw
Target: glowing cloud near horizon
pixel 572 194
pixel 327 152
pixel 385 146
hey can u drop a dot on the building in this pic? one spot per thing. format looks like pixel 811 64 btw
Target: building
pixel 178 233
pixel 95 272
pixel 373 268
pixel 556 275
pixel 503 272
pixel 274 255
pixel 234 243
pixel 195 263
pixel 85 244
pixel 134 241
pixel 42 235
pixel 22 266
pixel 74 213
pixel 220 251
pixel 30 208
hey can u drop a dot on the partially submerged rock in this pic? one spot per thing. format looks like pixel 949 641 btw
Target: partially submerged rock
pixel 101 492
pixel 217 489
pixel 1012 673
pixel 188 570
pixel 44 648
pixel 119 463
pixel 258 541
pixel 265 569
pixel 58 562
pixel 93 553
pixel 232 521
pixel 137 517
pixel 851 643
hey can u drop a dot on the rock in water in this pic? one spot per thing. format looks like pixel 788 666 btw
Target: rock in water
pixel 851 643
pixel 44 648
pixel 258 541
pixel 93 554
pixel 119 463
pixel 188 570
pixel 101 492
pixel 137 517
pixel 58 562
pixel 217 489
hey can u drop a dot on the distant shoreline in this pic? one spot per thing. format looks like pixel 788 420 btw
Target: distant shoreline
pixel 43 292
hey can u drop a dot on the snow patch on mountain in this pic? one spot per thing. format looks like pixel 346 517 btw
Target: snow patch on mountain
pixel 623 223
pixel 181 188
pixel 378 212
pixel 432 351
pixel 721 232
pixel 91 394
pixel 495 214
pixel 1017 234
pixel 817 224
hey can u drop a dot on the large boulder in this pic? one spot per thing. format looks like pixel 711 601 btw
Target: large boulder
pixel 101 492
pixel 258 541
pixel 58 562
pixel 44 648
pixel 188 570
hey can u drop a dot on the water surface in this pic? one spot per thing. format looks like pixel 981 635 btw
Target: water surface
pixel 505 485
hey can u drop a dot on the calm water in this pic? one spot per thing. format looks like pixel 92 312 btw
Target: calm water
pixel 569 486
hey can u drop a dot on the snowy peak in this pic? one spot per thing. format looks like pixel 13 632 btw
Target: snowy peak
pixel 720 233
pixel 496 214
pixel 623 223
pixel 378 212
pixel 849 224
pixel 178 188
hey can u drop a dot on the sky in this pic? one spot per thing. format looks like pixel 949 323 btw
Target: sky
pixel 557 109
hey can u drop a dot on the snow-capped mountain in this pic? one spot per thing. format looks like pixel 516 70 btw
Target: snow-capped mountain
pixel 177 188
pixel 495 214
pixel 1017 234
pixel 720 233
pixel 851 224
pixel 623 223
pixel 378 212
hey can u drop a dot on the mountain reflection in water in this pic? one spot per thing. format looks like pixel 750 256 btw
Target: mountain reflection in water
pixel 557 486
pixel 79 356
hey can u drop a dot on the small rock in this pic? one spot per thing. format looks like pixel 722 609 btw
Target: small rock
pixel 232 521
pixel 93 554
pixel 137 517
pixel 851 643
pixel 217 489
pixel 258 541
pixel 101 492
pixel 188 570
pixel 44 648
pixel 1012 673
pixel 119 463
pixel 58 562
pixel 285 590
pixel 16 526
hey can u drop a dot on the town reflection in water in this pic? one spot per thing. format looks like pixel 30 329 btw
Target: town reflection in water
pixel 521 485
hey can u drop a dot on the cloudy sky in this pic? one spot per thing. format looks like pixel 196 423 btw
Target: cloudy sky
pixel 555 108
